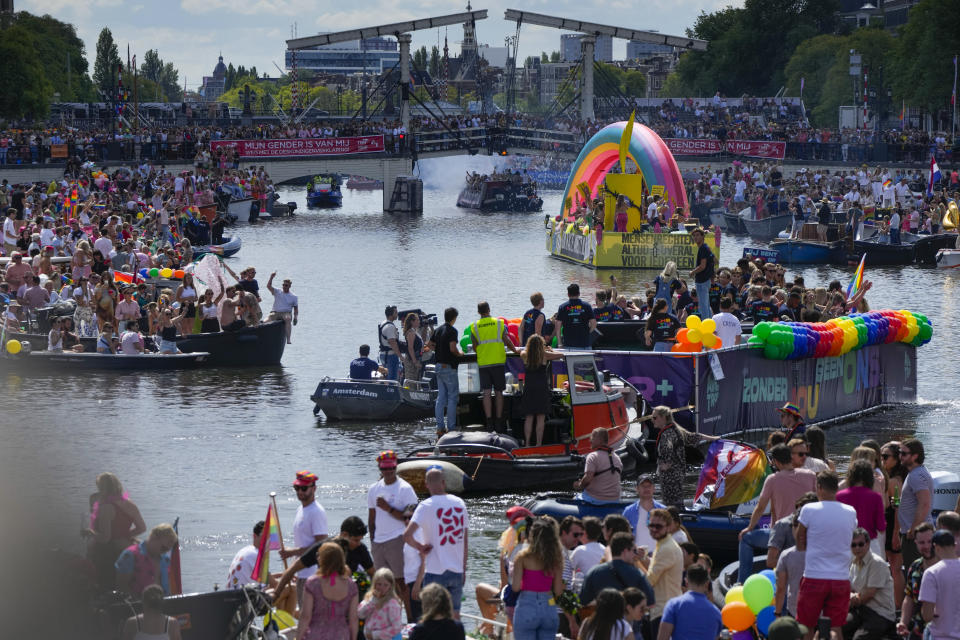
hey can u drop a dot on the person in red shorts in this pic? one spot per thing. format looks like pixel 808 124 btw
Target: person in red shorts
pixel 825 532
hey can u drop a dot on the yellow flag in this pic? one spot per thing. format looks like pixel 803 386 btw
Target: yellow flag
pixel 625 143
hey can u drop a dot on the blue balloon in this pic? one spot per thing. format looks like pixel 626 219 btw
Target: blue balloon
pixel 764 618
pixel 143 273
pixel 771 576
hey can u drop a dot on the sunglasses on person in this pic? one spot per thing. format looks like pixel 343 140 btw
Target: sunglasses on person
pixel 905 452
pixel 886 455
pixel 298 489
pixel 802 454
pixel 857 545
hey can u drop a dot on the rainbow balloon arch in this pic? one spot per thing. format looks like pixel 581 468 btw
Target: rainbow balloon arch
pixel 655 172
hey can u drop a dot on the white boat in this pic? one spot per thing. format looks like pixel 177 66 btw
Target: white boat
pixel 948 258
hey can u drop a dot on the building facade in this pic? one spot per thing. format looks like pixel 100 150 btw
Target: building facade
pixel 370 55
pixel 570 48
pixel 214 86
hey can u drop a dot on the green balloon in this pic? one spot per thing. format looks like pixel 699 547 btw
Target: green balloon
pixel 926 331
pixel 468 331
pixel 771 351
pixel 755 340
pixel 758 592
pixel 762 330
pixel 465 343
pixel 153 273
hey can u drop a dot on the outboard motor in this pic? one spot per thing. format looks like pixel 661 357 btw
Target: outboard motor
pixel 946 489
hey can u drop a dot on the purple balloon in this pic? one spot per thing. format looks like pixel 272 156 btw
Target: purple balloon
pixel 746 634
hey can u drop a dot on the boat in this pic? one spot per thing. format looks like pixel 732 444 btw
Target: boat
pixel 229 247
pixel 360 182
pixel 880 251
pixel 63 361
pixel 798 251
pixel 714 531
pixel 259 346
pixel 375 399
pixel 766 228
pixel 734 224
pixel 927 245
pixel 323 191
pixel 622 250
pixel 487 194
pixel 498 461
pixel 718 218
pixel 948 258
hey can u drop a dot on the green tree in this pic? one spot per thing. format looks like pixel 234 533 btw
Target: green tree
pixel 61 53
pixel 921 63
pixel 434 63
pixel 230 77
pixel 164 78
pixel 555 56
pixel 25 90
pixel 544 57
pixel 634 84
pixel 106 63
pixel 420 58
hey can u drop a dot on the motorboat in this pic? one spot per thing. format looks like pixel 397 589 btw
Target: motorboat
pixel 927 245
pixel 798 251
pixel 63 361
pixel 948 258
pixel 229 247
pixel 879 249
pixel 487 194
pixel 734 223
pixel 714 531
pixel 374 399
pixel 718 218
pixel 766 228
pixel 323 192
pixel 362 183
pixel 498 461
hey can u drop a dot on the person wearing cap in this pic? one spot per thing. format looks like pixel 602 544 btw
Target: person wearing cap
pixel 872 610
pixel 638 513
pixel 940 589
pixel 386 500
pixel 825 587
pixel 512 541
pixel 309 524
pixel 445 524
pixel 285 304
pixel 791 420
pixel 388 337
pixel 786 628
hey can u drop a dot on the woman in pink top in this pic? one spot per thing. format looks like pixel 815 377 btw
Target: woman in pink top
pixel 868 504
pixel 538 578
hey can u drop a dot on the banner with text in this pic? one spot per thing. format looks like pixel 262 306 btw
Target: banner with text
pixel 740 390
pixel 301 147
pixel 710 147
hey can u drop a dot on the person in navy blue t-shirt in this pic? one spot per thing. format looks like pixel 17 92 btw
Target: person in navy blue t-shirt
pixel 362 368
pixel 576 318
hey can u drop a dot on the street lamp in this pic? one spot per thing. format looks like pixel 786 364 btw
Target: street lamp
pixel 339 96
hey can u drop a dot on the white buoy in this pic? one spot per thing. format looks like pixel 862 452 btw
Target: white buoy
pixel 414 472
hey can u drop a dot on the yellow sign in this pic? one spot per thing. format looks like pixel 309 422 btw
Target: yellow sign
pixel 642 250
pixel 657 190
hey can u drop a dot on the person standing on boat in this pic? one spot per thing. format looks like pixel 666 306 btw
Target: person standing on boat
pixel 602 471
pixel 534 321
pixel 491 340
pixel 576 319
pixel 448 354
pixel 537 394
pixel 386 501
pixel 389 339
pixel 703 273
pixel 791 421
pixel 672 441
pixel 285 304
pixel 309 525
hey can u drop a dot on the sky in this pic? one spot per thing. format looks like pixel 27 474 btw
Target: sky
pixel 192 33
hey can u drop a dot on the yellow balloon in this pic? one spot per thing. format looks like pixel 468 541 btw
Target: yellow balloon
pixel 708 326
pixel 735 594
pixel 693 335
pixel 709 340
pixel 13 347
pixel 140 215
pixel 693 322
pixel 166 272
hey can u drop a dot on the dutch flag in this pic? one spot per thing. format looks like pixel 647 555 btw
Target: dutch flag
pixel 935 175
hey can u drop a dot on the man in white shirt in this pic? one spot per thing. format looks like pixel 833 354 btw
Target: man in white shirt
pixel 445 524
pixel 824 526
pixel 728 326
pixel 285 304
pixel 309 525
pixel 386 501
pixel 241 567
pixel 638 513
pixel 10 232
pixel 894 227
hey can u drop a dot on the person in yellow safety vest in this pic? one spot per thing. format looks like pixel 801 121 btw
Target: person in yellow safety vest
pixel 490 340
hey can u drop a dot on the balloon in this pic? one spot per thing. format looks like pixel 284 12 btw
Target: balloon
pixel 718 344
pixel 468 331
pixel 771 352
pixel 708 326
pixel 13 347
pixel 755 340
pixel 513 331
pixel 154 272
pixel 465 343
pixel 771 576
pixel 926 331
pixel 764 618
pixel 693 322
pixel 693 335
pixel 166 272
pixel 735 594
pixel 762 330
pixel 746 634
pixel 140 215
pixel 143 273
pixel 710 341
pixel 682 335
pixel 757 593
pixel 737 616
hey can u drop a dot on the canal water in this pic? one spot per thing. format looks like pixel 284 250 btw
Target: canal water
pixel 209 446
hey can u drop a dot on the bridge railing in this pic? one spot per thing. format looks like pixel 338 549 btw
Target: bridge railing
pixel 497 139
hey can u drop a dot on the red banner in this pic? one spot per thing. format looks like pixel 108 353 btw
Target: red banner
pixel 709 147
pixel 298 147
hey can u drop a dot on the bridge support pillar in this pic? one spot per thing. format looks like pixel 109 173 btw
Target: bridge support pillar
pixel 404 40
pixel 391 169
pixel 586 89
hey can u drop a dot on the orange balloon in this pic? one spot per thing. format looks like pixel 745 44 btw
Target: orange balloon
pixel 178 274
pixel 737 616
pixel 719 343
pixel 682 335
pixel 677 347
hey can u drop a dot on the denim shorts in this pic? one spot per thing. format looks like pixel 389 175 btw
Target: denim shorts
pixel 453 583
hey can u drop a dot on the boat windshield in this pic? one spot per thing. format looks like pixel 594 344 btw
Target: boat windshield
pixel 585 376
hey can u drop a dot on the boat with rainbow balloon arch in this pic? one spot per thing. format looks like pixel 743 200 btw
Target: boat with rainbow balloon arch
pixel 628 159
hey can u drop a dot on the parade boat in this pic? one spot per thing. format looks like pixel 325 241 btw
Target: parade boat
pixel 362 183
pixel 487 194
pixel 572 237
pixel 68 361
pixel 948 258
pixel 718 218
pixel 799 251
pixel 927 245
pixel 715 531
pixel 374 399
pixel 734 224
pixel 766 228
pixel 323 192
pixel 880 251
pixel 229 247
pixel 492 461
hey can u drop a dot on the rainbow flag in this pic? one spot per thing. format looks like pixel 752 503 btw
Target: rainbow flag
pixel 732 473
pixel 269 541
pixel 887 183
pixel 857 281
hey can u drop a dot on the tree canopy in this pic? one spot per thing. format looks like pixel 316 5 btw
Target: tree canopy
pixel 106 63
pixel 25 90
pixel 922 57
